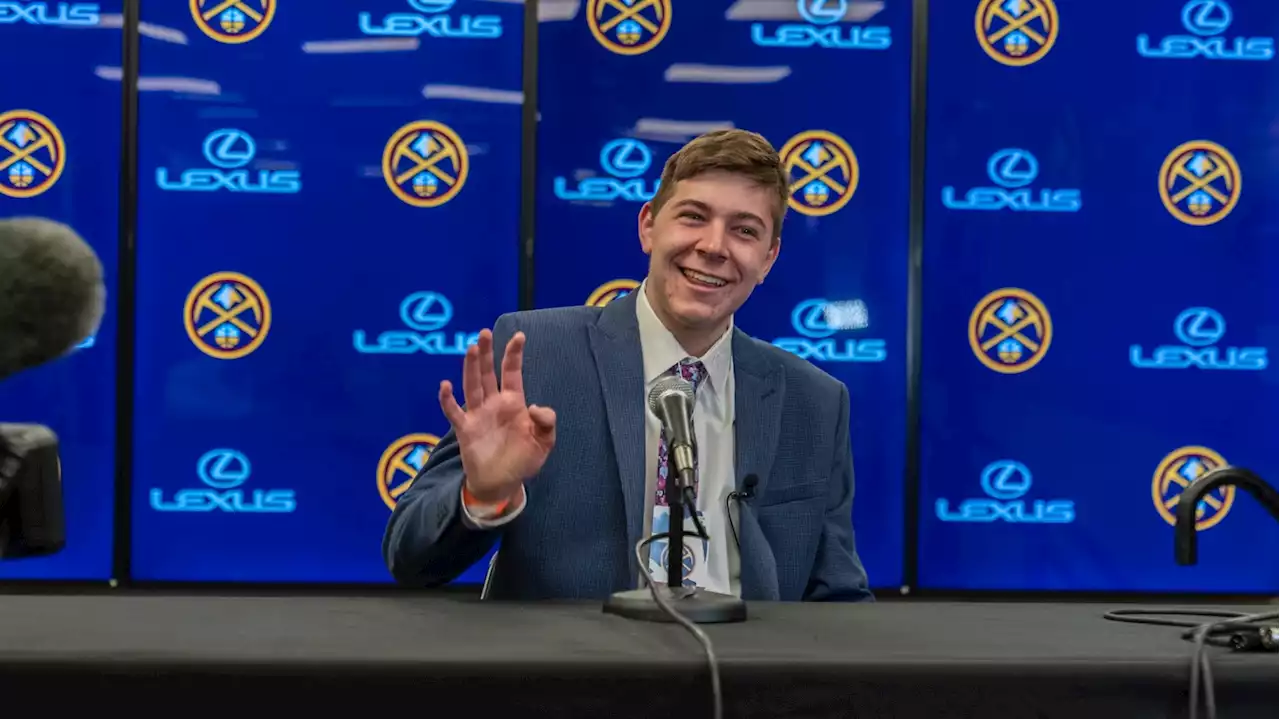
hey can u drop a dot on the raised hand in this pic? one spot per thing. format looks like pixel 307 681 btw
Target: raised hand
pixel 503 441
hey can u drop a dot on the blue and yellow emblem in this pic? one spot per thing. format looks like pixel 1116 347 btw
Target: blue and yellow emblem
pixel 822 171
pixel 401 463
pixel 233 21
pixel 1016 32
pixel 688 562
pixel 1200 182
pixel 629 27
pixel 1176 472
pixel 32 154
pixel 227 315
pixel 1010 331
pixel 425 163
pixel 610 291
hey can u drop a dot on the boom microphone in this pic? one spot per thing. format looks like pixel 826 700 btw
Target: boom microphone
pixel 672 400
pixel 51 292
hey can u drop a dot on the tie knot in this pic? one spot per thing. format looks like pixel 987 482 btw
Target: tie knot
pixel 691 370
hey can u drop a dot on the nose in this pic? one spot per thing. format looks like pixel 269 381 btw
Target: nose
pixel 711 244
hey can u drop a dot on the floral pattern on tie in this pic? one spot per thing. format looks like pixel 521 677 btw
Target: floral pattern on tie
pixel 695 372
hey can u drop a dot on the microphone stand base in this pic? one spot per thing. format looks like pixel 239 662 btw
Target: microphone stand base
pixel 695 604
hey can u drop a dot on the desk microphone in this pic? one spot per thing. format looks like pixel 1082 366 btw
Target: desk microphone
pixel 671 399
pixel 51 299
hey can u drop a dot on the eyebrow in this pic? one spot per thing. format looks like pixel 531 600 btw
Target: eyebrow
pixel 707 209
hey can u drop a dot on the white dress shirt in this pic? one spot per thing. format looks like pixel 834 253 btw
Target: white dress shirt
pixel 712 425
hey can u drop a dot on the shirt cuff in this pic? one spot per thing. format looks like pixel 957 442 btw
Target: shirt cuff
pixel 473 522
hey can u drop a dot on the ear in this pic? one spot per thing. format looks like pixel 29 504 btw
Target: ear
pixel 770 258
pixel 645 226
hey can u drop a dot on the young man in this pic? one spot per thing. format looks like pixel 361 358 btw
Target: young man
pixel 563 461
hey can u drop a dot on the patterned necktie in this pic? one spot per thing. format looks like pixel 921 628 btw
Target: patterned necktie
pixel 693 371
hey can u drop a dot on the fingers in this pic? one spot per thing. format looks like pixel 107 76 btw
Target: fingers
pixel 544 425
pixel 472 386
pixel 488 376
pixel 513 365
pixel 449 405
pixel 544 418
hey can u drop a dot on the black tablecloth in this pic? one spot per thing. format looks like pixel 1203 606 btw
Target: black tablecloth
pixel 427 655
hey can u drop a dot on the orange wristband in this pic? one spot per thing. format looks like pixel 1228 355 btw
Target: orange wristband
pixel 470 501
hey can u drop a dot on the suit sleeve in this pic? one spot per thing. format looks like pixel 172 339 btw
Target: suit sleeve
pixel 838 575
pixel 428 541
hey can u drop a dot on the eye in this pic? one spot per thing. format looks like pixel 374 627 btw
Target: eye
pixel 689 214
pixel 750 231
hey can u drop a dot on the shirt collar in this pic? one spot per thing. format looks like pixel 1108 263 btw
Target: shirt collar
pixel 662 351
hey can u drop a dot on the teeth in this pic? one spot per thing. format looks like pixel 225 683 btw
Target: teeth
pixel 704 279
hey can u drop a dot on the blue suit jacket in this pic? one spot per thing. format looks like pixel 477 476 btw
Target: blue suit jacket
pixel 576 537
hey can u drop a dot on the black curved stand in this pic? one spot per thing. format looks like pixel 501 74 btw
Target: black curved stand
pixel 1184 535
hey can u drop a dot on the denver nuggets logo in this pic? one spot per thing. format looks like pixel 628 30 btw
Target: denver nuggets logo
pixel 610 291
pixel 1200 182
pixel 227 315
pixel 425 163
pixel 822 170
pixel 688 562
pixel 233 21
pixel 401 463
pixel 1016 32
pixel 32 154
pixel 1010 331
pixel 1176 472
pixel 629 27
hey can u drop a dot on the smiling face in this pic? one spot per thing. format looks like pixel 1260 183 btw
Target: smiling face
pixel 712 233
pixel 709 246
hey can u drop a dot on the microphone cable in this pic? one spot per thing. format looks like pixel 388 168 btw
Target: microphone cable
pixel 1235 630
pixel 717 696
pixel 750 491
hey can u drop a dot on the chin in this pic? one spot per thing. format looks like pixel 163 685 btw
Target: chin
pixel 698 314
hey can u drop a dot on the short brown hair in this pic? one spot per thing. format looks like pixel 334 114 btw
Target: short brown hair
pixel 736 151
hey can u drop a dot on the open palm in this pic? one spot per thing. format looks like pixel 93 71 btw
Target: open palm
pixel 503 441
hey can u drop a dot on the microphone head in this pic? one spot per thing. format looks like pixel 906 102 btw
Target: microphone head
pixel 52 295
pixel 666 385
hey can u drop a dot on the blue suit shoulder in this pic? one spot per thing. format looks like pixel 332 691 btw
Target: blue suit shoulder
pixel 797 369
pixel 533 322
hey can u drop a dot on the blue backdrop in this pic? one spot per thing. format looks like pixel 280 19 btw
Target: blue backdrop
pixel 655 75
pixel 328 208
pixel 329 196
pixel 60 158
pixel 1099 293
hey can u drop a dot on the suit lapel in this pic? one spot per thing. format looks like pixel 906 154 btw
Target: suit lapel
pixel 758 393
pixel 757 410
pixel 615 343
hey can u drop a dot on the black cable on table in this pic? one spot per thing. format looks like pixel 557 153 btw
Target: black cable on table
pixel 1235 630
pixel 691 509
pixel 717 698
